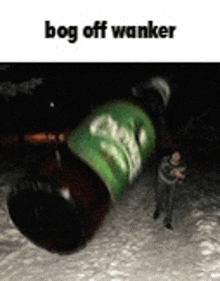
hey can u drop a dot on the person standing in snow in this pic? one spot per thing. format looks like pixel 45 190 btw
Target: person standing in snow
pixel 170 173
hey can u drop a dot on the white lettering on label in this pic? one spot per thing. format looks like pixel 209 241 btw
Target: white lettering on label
pixel 124 139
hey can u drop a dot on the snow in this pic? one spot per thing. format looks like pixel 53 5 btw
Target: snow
pixel 130 245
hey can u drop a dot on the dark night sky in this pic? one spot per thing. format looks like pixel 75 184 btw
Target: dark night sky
pixel 74 86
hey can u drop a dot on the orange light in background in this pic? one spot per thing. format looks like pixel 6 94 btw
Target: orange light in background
pixel 47 137
pixel 62 138
pixel 36 138
pixel 52 137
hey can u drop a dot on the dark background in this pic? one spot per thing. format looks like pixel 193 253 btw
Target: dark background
pixel 73 87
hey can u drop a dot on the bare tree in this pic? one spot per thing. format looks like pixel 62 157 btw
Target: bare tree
pixel 9 89
pixel 194 123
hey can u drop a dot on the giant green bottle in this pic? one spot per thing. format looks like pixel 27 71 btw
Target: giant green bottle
pixel 60 208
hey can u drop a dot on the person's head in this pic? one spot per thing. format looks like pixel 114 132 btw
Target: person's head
pixel 175 158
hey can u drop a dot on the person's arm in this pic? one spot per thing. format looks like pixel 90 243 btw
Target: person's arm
pixel 180 174
pixel 167 169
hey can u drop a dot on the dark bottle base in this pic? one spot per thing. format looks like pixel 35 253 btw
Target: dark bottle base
pixel 48 219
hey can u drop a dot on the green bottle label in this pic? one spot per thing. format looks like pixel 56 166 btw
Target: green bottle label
pixel 115 141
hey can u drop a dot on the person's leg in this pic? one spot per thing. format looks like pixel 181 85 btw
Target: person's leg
pixel 159 196
pixel 169 206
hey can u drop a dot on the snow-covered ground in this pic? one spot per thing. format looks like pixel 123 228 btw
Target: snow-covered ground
pixel 130 245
